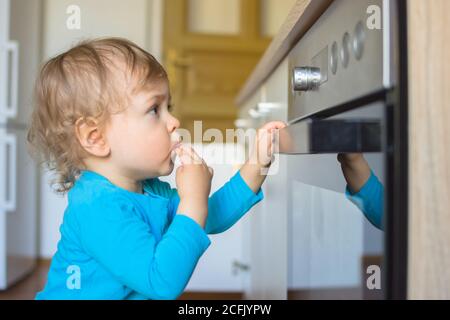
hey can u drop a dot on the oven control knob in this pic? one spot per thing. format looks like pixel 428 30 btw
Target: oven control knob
pixel 306 78
pixel 358 40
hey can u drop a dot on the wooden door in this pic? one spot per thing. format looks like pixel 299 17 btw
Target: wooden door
pixel 207 68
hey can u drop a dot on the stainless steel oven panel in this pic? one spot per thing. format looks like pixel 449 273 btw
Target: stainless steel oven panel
pixel 362 68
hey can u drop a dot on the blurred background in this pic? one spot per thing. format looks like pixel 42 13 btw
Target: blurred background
pixel 209 48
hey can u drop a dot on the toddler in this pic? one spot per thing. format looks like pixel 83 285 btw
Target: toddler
pixel 103 124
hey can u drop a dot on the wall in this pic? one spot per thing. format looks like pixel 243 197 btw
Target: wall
pixel 99 18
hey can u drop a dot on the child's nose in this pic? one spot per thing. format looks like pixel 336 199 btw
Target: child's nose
pixel 173 124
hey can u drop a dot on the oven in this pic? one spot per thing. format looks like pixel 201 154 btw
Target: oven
pixel 346 96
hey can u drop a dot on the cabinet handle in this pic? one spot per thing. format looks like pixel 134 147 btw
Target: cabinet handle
pixel 240 267
pixel 10 204
pixel 10 109
pixel 263 108
pixel 242 123
pixel 255 114
pixel 267 107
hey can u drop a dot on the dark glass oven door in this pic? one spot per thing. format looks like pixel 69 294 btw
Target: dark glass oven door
pixel 335 252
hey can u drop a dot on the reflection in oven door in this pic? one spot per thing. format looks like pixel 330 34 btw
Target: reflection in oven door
pixel 332 245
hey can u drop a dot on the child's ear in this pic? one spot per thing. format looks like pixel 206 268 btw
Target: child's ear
pixel 91 138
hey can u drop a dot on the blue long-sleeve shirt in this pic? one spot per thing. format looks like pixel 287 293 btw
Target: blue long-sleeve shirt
pixel 117 244
pixel 370 200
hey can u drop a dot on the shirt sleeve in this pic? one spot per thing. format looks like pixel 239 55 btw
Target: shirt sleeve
pixel 225 207
pixel 124 245
pixel 229 204
pixel 370 200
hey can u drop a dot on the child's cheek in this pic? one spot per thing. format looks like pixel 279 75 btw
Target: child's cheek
pixel 157 148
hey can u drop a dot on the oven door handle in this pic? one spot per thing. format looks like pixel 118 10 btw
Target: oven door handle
pixel 314 136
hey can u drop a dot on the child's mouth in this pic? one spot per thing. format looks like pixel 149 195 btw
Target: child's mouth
pixel 173 154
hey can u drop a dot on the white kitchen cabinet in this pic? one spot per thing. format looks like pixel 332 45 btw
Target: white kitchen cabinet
pixel 248 267
pixel 19 61
pixel 265 244
pixel 274 209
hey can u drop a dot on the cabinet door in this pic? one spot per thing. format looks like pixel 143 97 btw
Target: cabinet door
pixel 19 28
pixel 249 266
pixel 4 32
pixel 273 213
pixel 21 221
pixel 4 20
pixel 20 42
pixel 25 22
pixel 266 231
pixel 275 207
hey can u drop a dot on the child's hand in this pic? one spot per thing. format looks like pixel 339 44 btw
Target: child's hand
pixel 356 170
pixel 265 144
pixel 350 159
pixel 193 180
pixel 254 171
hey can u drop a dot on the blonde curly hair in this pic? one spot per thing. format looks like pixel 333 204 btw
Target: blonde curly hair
pixel 80 84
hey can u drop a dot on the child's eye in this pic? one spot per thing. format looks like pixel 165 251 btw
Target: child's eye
pixel 170 107
pixel 153 110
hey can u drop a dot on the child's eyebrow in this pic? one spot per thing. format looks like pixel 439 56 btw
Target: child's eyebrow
pixel 160 97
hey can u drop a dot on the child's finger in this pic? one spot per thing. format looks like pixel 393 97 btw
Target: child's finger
pixel 195 157
pixel 198 159
pixel 187 155
pixel 264 145
pixel 274 125
pixel 185 158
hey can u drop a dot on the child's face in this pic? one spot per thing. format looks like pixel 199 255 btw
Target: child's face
pixel 142 137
